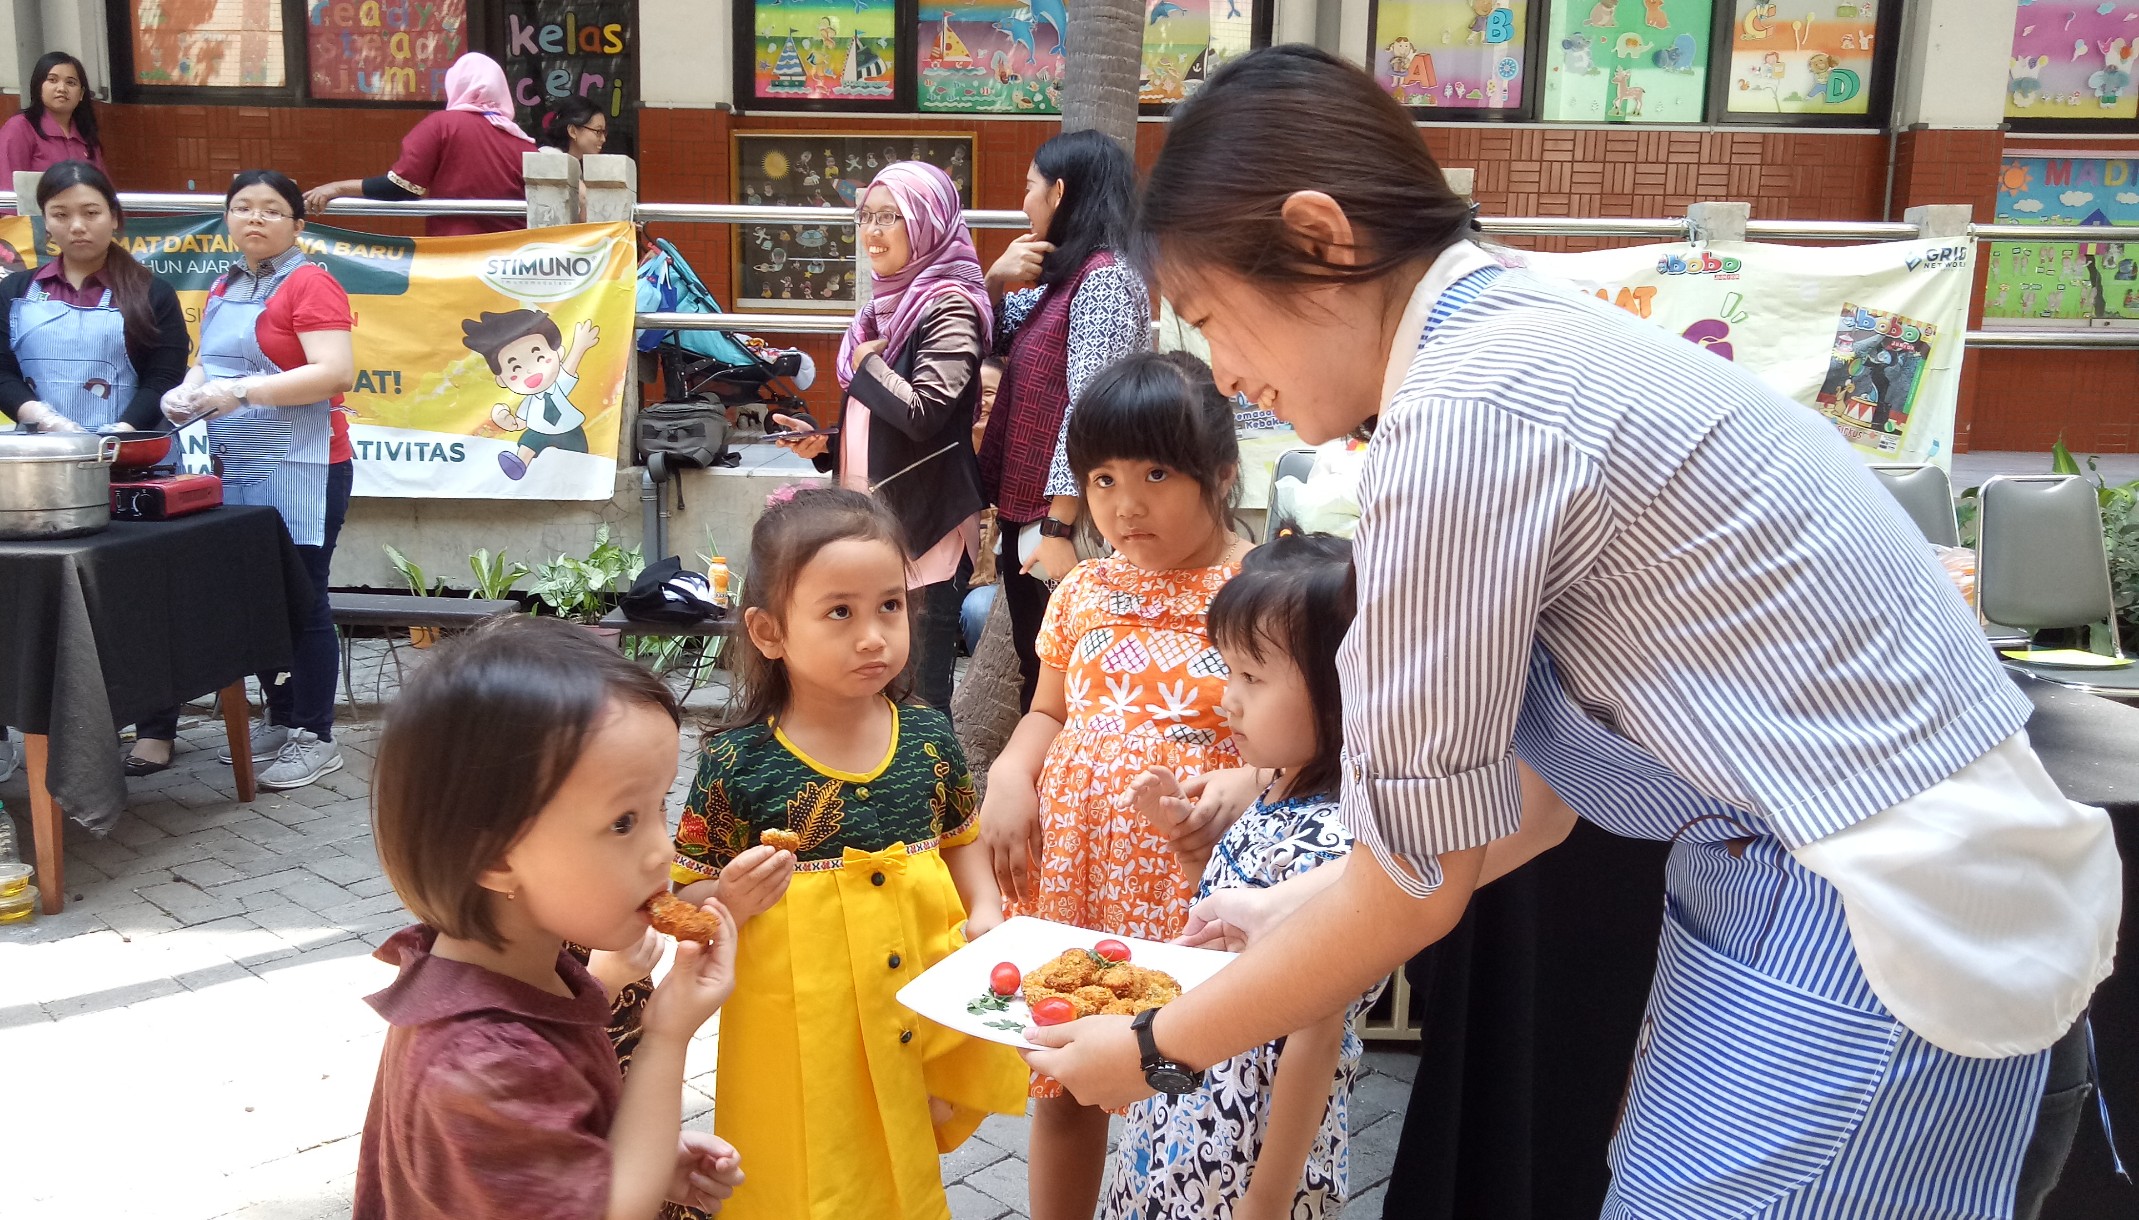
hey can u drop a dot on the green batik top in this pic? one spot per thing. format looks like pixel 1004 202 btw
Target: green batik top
pixel 754 779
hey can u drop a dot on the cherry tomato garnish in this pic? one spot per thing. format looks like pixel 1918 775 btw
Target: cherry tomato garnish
pixel 1054 1010
pixel 1112 950
pixel 1005 979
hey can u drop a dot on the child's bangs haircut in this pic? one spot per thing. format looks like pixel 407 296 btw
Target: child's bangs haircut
pixel 1295 598
pixel 477 743
pixel 1163 408
pixel 782 543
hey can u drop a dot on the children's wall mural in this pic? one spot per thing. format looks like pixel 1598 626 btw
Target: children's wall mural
pixel 1007 56
pixel 1453 54
pixel 2072 59
pixel 1627 61
pixel 2060 283
pixel 1816 62
pixel 785 267
pixel 825 50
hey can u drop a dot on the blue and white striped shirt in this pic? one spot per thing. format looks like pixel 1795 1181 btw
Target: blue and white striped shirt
pixel 1717 576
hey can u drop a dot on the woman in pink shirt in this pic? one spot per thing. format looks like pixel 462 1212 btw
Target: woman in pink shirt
pixel 469 150
pixel 59 123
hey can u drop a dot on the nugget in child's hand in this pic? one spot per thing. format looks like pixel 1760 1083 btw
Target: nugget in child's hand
pixel 781 840
pixel 675 917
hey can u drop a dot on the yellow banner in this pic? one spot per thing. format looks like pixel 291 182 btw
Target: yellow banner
pixel 488 367
pixel 18 244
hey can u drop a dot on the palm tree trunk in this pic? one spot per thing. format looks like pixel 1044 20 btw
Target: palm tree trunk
pixel 1104 59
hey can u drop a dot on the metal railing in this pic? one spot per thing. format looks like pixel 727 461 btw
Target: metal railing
pixel 1656 228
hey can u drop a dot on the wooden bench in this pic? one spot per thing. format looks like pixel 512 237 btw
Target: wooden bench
pixel 729 624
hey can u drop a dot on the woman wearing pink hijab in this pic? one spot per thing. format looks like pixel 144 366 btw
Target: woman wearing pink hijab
pixel 469 150
pixel 910 367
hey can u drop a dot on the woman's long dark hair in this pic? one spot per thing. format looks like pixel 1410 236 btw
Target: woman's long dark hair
pixel 555 128
pixel 785 539
pixel 129 280
pixel 1262 130
pixel 1296 597
pixel 1098 199
pixel 33 99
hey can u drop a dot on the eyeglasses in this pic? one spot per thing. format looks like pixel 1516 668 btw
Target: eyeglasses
pixel 886 219
pixel 242 211
pixel 600 131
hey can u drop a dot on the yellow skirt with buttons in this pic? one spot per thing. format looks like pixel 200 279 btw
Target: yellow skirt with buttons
pixel 825 1079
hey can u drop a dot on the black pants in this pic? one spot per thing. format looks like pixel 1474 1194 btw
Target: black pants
pixel 304 697
pixel 935 652
pixel 1027 599
pixel 2065 1094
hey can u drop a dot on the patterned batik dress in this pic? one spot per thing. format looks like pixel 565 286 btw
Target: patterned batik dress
pixel 1141 683
pixel 1189 1157
pixel 824 1077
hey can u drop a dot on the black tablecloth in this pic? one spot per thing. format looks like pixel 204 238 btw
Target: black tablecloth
pixel 103 630
pixel 1531 1006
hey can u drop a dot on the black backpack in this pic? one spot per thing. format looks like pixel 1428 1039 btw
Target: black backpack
pixel 690 433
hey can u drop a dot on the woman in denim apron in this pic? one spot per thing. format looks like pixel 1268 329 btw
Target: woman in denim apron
pixel 270 431
pixel 91 339
pixel 1594 555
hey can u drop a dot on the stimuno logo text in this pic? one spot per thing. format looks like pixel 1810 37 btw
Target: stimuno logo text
pixel 544 272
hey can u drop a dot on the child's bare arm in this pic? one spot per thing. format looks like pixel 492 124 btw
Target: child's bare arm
pixel 973 872
pixel 1546 822
pixel 1306 1072
pixel 698 893
pixel 642 1139
pixel 1010 816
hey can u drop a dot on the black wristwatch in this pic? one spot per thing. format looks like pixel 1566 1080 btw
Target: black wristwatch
pixel 1161 1073
pixel 1051 528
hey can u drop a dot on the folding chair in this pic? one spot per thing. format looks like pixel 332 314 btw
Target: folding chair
pixel 1924 493
pixel 2040 564
pixel 1291 464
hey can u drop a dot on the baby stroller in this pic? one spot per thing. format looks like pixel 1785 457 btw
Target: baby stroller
pixel 709 378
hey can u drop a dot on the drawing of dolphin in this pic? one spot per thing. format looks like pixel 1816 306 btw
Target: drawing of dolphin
pixel 1162 10
pixel 1053 13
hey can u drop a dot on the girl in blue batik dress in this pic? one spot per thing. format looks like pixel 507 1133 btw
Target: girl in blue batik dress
pixel 1265 1136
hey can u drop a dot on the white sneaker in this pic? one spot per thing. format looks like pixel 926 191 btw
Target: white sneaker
pixel 268 740
pixel 304 758
pixel 10 757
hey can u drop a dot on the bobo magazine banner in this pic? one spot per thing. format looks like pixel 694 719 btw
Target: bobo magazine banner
pixel 1869 336
pixel 488 367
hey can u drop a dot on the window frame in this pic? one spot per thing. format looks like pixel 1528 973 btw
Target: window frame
pixel 1533 59
pixel 1879 90
pixel 2068 125
pixel 295 92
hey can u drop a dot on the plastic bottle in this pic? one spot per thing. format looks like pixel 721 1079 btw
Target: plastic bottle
pixel 717 573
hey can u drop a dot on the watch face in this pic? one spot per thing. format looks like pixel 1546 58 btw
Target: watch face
pixel 1171 1080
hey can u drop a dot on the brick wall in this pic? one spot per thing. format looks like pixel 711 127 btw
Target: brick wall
pixel 1521 171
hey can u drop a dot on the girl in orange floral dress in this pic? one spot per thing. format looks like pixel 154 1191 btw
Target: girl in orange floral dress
pixel 1129 679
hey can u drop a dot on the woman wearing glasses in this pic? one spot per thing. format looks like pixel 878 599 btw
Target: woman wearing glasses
pixel 574 125
pixel 469 150
pixel 275 360
pixel 910 365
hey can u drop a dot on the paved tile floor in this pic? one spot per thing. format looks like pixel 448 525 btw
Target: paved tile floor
pixel 187 1040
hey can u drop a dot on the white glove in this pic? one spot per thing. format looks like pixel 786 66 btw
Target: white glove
pixel 215 398
pixel 38 417
pixel 177 405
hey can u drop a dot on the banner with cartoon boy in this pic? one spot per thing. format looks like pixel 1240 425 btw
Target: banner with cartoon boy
pixel 1869 336
pixel 488 367
pixel 18 245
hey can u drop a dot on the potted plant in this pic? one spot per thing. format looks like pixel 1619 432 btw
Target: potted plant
pixel 494 575
pixel 421 586
pixel 584 590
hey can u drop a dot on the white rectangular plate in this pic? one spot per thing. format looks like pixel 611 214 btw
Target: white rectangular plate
pixel 944 989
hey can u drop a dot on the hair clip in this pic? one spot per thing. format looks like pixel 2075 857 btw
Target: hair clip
pixel 783 495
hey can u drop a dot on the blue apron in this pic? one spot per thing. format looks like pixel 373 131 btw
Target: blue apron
pixel 1768 1080
pixel 276 456
pixel 73 357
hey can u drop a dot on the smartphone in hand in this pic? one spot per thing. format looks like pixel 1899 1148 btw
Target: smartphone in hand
pixel 801 434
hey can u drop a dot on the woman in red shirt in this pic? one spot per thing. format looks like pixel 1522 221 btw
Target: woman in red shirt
pixel 469 150
pixel 59 123
pixel 274 362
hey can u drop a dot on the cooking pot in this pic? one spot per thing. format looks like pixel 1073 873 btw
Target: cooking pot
pixel 139 450
pixel 55 484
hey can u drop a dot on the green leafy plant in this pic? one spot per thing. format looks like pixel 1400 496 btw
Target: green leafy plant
pixel 494 576
pixel 586 589
pixel 418 583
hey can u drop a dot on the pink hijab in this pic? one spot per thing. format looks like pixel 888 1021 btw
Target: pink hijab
pixel 476 83
pixel 943 260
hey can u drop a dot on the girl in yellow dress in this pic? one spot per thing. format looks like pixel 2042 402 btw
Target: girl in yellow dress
pixel 841 1098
